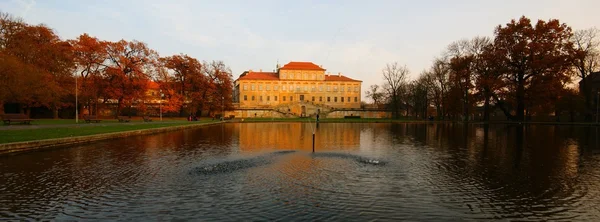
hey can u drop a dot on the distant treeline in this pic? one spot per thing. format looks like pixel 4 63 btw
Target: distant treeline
pixel 527 69
pixel 38 69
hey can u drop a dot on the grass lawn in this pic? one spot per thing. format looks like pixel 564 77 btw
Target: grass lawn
pixel 21 135
pixel 82 121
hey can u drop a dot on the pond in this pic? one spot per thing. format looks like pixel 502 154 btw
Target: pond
pixel 360 171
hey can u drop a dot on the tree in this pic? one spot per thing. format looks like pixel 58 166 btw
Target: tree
pixel 89 57
pixel 375 94
pixel 533 56
pixel 178 81
pixel 219 89
pixel 587 61
pixel 130 66
pixel 395 81
pixel 47 59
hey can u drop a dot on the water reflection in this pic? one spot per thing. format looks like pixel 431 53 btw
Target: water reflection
pixel 431 172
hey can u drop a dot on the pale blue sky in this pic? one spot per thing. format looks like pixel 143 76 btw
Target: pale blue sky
pixel 356 38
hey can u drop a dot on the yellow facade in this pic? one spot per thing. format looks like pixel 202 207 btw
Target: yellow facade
pixel 297 82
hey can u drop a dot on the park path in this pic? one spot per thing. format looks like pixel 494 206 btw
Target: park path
pixel 46 126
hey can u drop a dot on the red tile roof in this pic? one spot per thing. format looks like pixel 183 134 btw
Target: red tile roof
pixel 339 78
pixel 259 76
pixel 302 66
pixel 153 85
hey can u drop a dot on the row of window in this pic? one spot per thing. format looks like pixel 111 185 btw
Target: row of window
pixel 283 98
pixel 303 76
pixel 300 88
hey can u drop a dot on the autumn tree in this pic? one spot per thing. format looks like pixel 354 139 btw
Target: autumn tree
pixel 130 66
pixel 37 65
pixel 534 56
pixel 89 57
pixel 394 76
pixel 183 72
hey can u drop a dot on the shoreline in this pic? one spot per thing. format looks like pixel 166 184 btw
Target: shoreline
pixel 14 148
pixel 35 145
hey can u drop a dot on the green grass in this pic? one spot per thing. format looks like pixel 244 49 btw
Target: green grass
pixel 82 121
pixel 9 136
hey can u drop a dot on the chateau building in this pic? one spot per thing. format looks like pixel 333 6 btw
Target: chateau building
pixel 296 82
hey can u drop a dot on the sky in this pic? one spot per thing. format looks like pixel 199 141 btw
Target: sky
pixel 355 38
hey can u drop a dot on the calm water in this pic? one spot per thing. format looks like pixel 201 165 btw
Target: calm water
pixel 265 171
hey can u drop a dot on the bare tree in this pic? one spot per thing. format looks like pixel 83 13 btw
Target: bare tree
pixel 587 61
pixel 394 76
pixel 439 81
pixel 375 94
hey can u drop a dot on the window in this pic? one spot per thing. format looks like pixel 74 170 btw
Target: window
pixel 335 88
pixel 252 98
pixel 342 98
pixel 245 87
pixel 305 88
pixel 283 75
pixel 291 98
pixel 260 87
pixel 268 87
pixel 291 75
pixel 245 97
pixel 348 98
pixel 297 88
pixel 342 89
pixel 275 98
pixel 153 93
pixel 328 99
pixel 328 88
pixel 335 99
pixel 355 99
pixel 268 98
pixel 356 89
pixel 320 88
pixel 253 87
pixel 275 87
pixel 314 89
pixel 283 98
pixel 313 98
pixel 301 97
pixel 320 99
pixel 260 98
pixel 284 88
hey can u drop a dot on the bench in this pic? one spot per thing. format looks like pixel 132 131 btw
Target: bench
pixel 91 118
pixel 147 119
pixel 351 117
pixel 123 119
pixel 230 117
pixel 16 117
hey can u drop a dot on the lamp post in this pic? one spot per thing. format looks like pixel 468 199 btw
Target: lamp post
pixel 76 101
pixel 160 104
pixel 222 107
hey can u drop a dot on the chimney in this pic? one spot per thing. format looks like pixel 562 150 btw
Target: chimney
pixel 260 70
pixel 250 70
pixel 339 74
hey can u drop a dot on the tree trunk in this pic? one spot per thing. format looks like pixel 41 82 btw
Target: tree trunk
pixel 486 107
pixel 55 111
pixel 520 99
pixel 588 100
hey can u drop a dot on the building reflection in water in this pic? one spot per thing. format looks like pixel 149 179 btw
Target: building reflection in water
pixel 297 136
